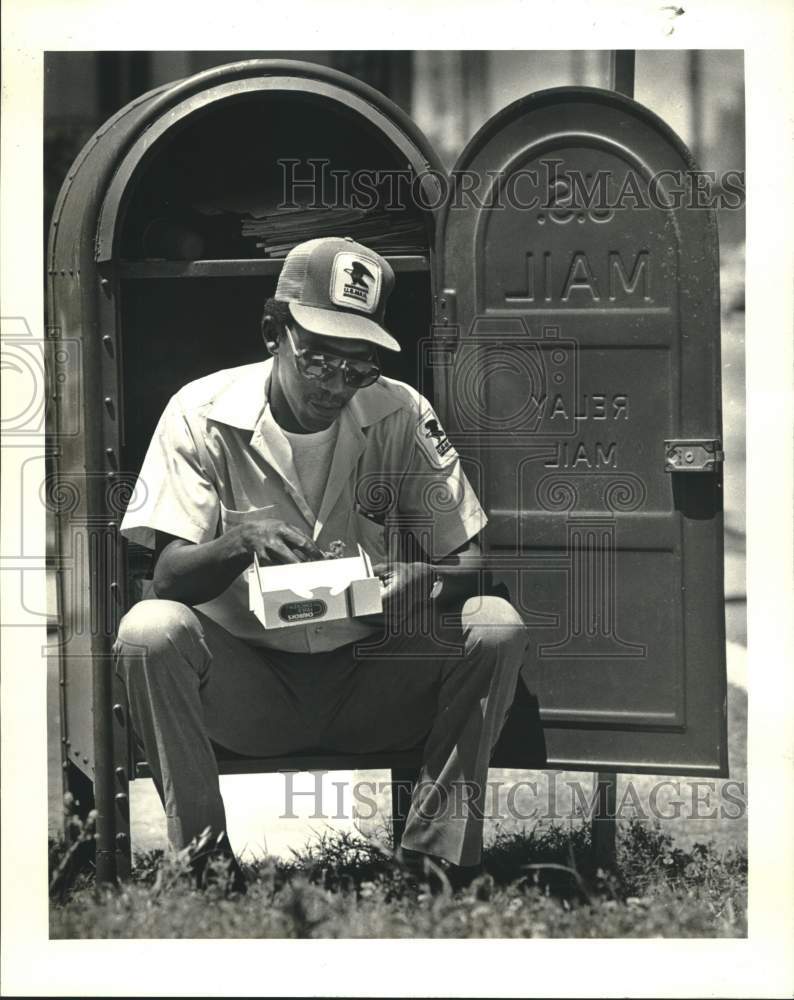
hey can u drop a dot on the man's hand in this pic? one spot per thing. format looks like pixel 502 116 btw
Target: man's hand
pixel 275 542
pixel 404 586
pixel 196 573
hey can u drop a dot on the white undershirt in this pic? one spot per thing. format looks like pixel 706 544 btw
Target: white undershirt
pixel 311 456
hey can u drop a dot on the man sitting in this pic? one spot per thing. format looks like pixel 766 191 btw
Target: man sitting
pixel 278 460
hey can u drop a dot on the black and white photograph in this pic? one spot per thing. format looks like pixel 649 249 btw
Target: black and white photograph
pixel 375 499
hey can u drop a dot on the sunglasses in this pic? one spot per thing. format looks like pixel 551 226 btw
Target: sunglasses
pixel 321 367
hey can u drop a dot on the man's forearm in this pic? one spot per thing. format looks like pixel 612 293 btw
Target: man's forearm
pixel 194 574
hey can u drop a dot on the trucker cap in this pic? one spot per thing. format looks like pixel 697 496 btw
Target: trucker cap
pixel 336 287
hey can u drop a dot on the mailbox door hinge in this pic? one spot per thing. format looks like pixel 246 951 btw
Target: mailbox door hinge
pixel 445 329
pixel 692 454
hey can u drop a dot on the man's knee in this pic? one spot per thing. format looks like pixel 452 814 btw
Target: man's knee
pixel 495 623
pixel 153 627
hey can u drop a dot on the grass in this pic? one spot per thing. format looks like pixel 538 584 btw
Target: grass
pixel 681 878
pixel 536 884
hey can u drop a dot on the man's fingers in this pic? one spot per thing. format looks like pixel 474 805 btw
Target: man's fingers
pixel 279 552
pixel 311 549
pixel 297 540
pixel 386 574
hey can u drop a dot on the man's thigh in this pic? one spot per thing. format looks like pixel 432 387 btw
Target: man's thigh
pixel 380 695
pixel 391 698
pixel 259 701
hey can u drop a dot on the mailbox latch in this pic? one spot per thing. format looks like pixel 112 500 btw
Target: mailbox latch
pixel 692 454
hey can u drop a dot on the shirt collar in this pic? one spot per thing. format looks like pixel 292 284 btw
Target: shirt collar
pixel 241 401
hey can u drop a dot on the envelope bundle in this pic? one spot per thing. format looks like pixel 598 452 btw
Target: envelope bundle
pixel 276 230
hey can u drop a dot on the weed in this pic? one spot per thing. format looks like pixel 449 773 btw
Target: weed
pixel 539 883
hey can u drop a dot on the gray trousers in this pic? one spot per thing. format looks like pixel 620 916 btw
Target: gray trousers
pixel 447 688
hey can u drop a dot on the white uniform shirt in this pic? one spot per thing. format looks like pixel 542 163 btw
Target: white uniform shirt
pixel 211 466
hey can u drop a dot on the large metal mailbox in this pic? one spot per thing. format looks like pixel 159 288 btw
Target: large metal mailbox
pixel 582 379
pixel 563 348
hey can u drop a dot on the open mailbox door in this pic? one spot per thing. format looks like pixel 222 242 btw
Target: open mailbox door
pixel 153 283
pixel 576 358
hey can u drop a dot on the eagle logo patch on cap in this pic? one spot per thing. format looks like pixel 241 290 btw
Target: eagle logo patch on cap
pixel 355 282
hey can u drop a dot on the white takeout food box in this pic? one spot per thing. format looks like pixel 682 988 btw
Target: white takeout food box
pixel 323 590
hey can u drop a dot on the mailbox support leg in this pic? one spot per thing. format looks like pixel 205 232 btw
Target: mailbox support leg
pixel 621 71
pixel 122 762
pixel 603 822
pixel 105 846
pixel 123 843
pixel 104 791
pixel 402 788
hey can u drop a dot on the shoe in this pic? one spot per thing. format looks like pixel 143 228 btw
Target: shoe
pixel 213 863
pixel 222 870
pixel 424 869
pixel 462 876
pixel 414 863
pixel 435 871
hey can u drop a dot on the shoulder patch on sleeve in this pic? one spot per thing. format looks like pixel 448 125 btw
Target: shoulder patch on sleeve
pixel 433 441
